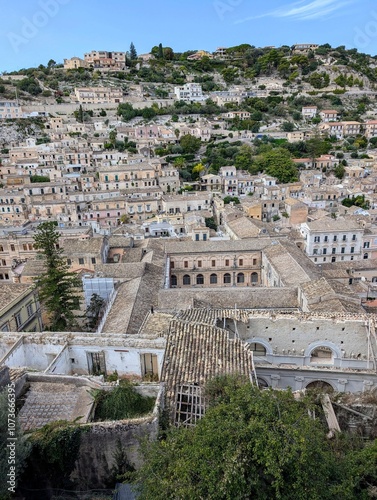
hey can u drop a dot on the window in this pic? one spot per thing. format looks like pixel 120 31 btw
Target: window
pixel 172 265
pixel 254 278
pixel 333 250
pixel 326 239
pixel 324 251
pixel 213 279
pixel 366 256
pixel 366 244
pixel 240 278
pixel 258 349
pixel 352 249
pixel 227 262
pixel 199 263
pixel 204 237
pixel 186 279
pixel 196 237
pixel 354 237
pixel 240 262
pixel 29 309
pixel 173 280
pixel 227 278
pixel 1 248
pixel 254 262
pixel 317 239
pixel 93 260
pixel 335 237
pixel 81 260
pixel 200 279
pixel 69 262
pixel 343 250
pixel 17 318
pixel 12 247
pixel 344 237
pixel 213 263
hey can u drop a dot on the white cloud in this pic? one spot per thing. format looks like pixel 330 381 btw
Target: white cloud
pixel 303 10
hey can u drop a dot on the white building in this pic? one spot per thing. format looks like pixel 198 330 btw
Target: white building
pixel 189 92
pixel 332 240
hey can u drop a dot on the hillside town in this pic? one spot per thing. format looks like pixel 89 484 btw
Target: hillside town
pixel 225 219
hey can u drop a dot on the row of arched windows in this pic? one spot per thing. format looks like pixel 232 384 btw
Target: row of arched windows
pixel 213 279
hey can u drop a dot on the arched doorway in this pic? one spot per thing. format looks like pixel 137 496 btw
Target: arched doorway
pixel 320 386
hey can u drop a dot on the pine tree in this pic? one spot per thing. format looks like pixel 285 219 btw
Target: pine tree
pixel 160 51
pixel 57 286
pixel 133 53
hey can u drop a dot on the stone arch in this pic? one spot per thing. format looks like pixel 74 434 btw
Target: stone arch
pixel 322 385
pixel 337 353
pixel 262 383
pixel 263 342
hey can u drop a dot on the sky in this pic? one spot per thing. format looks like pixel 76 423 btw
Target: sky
pixel 34 31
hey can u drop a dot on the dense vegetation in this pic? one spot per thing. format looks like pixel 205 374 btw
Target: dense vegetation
pixel 261 445
pixel 121 403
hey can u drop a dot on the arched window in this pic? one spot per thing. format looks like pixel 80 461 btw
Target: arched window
pixel 173 280
pixel 227 278
pixel 186 279
pixel 200 279
pixel 254 277
pixel 322 355
pixel 240 278
pixel 213 279
pixel 258 349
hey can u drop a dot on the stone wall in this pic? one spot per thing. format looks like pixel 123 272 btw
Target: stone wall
pixel 98 446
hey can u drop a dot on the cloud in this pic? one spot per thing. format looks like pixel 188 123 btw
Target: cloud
pixel 303 10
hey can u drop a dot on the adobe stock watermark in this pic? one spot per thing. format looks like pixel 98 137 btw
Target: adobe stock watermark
pixel 363 37
pixel 223 7
pixel 30 27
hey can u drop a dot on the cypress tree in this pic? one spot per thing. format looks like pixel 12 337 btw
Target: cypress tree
pixel 57 286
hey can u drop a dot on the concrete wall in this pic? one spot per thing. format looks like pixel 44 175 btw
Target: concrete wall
pixel 126 361
pixel 283 378
pixel 98 445
pixel 33 355
pixel 61 364
pixel 292 340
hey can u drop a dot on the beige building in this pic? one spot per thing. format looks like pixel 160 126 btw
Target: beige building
pixel 208 264
pixel 19 308
pixel 10 109
pixel 104 59
pixel 75 63
pixel 98 95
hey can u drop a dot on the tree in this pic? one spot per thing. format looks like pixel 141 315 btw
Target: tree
pixel 160 51
pixel 198 168
pixel 190 144
pixel 79 114
pixel 250 444
pixel 287 127
pixel 93 311
pixel 112 137
pixel 12 458
pixel 133 53
pixel 278 164
pixel 56 285
pixel 339 171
